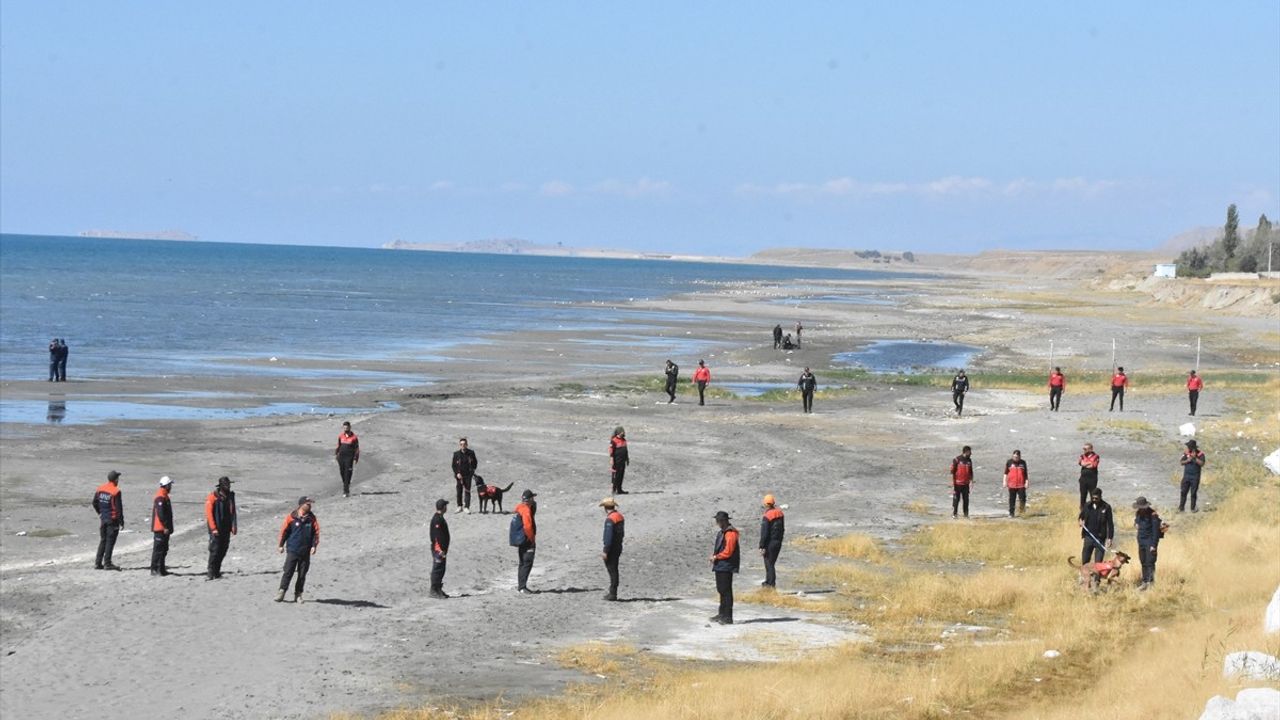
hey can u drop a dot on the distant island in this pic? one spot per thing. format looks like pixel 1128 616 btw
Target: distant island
pixel 127 235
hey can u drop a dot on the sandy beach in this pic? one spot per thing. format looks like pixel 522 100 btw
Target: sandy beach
pixel 538 407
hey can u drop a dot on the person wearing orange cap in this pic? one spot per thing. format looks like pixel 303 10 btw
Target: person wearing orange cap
pixel 161 527
pixel 772 528
pixel 614 533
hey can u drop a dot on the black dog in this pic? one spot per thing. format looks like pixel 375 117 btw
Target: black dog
pixel 490 495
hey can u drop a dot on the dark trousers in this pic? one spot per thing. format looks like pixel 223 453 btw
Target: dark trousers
pixel 1091 551
pixel 1117 392
pixel 346 464
pixel 62 370
pixel 770 561
pixel 957 398
pixel 671 391
pixel 777 341
pixel 218 545
pixel 702 389
pixel 611 565
pixel 159 551
pixel 525 552
pixel 1193 396
pixel 107 533
pixel 464 491
pixel 437 571
pixel 1147 557
pixel 300 562
pixel 1055 398
pixel 618 473
pixel 1086 486
pixel 959 493
pixel 806 397
pixel 1191 487
pixel 53 370
pixel 1018 495
pixel 724 586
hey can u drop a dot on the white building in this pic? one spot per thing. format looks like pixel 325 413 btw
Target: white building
pixel 1166 270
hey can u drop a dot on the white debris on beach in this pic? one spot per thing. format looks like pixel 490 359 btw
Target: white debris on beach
pixel 1251 665
pixel 1271 622
pixel 1272 462
pixel 1250 704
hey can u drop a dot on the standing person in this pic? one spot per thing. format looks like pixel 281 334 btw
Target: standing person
pixel 464 469
pixel 63 352
pixel 701 377
pixel 347 454
pixel 439 537
pixel 808 384
pixel 725 559
pixel 672 372
pixel 961 480
pixel 1088 462
pixel 161 527
pixel 53 360
pixel 109 505
pixel 799 329
pixel 300 535
pixel 777 336
pixel 772 528
pixel 614 533
pixel 618 459
pixel 1194 385
pixel 524 530
pixel 959 386
pixel 1192 462
pixel 1149 527
pixel 1119 381
pixel 220 517
pixel 1015 480
pixel 1097 528
pixel 1057 384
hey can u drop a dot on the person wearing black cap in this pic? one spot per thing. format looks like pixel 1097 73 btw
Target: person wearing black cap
pixel 464 470
pixel 110 508
pixel 1192 462
pixel 524 532
pixel 439 537
pixel 1149 528
pixel 619 459
pixel 220 518
pixel 1097 528
pixel 300 535
pixel 724 563
pixel 161 527
pixel 614 534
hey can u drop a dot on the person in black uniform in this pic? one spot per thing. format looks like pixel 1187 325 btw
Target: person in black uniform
pixel 619 459
pixel 777 336
pixel 614 534
pixel 161 527
pixel 725 559
pixel 464 469
pixel 300 535
pixel 1097 528
pixel 63 352
pixel 220 517
pixel 772 528
pixel 53 360
pixel 673 376
pixel 439 549
pixel 348 454
pixel 109 506
pixel 959 386
pixel 808 384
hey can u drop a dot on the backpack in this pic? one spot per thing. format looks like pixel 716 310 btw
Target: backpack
pixel 517 536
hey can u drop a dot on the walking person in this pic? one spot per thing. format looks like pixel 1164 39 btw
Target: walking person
pixel 1097 528
pixel 777 336
pixel 614 534
pixel 524 531
pixel 1192 463
pixel 161 527
pixel 961 480
pixel 439 537
pixel 701 377
pixel 300 537
pixel 1194 385
pixel 53 360
pixel 63 352
pixel 1088 462
pixel 1057 384
pixel 799 330
pixel 220 517
pixel 672 371
pixel 772 528
pixel 959 386
pixel 1119 381
pixel 109 505
pixel 808 385
pixel 1150 527
pixel 618 459
pixel 1015 481
pixel 347 453
pixel 464 470
pixel 725 559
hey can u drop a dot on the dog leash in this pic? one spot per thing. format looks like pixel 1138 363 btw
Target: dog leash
pixel 1093 537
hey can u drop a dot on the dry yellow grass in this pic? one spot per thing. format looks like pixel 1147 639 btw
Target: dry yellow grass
pixel 851 547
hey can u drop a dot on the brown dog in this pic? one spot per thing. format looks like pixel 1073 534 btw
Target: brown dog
pixel 1093 574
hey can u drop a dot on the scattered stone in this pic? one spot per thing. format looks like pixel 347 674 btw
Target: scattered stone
pixel 1250 704
pixel 1272 462
pixel 1271 623
pixel 1051 654
pixel 1187 430
pixel 1251 665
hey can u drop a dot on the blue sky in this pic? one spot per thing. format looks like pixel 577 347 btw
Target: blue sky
pixel 689 127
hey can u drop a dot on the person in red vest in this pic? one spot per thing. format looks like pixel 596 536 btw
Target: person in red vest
pixel 1057 384
pixel 1088 462
pixel 725 559
pixel 110 508
pixel 614 534
pixel 1119 382
pixel 618 459
pixel 701 377
pixel 961 480
pixel 348 454
pixel 161 527
pixel 1015 480
pixel 772 528
pixel 1194 385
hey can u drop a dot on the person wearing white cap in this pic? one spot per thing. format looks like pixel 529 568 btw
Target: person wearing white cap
pixel 161 527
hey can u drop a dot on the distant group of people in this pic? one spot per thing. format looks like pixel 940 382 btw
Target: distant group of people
pixel 784 342
pixel 58 352
pixel 1058 386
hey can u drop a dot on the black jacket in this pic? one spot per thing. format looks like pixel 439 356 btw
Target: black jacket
pixel 772 528
pixel 439 534
pixel 673 373
pixel 960 384
pixel 465 462
pixel 1148 528
pixel 808 383
pixel 1097 518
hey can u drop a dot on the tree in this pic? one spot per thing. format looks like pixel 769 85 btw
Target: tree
pixel 1230 235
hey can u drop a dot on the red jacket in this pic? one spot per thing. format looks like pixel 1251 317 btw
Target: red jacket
pixel 702 374
pixel 1119 380
pixel 962 470
pixel 1195 383
pixel 1058 380
pixel 1015 474
pixel 526 517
